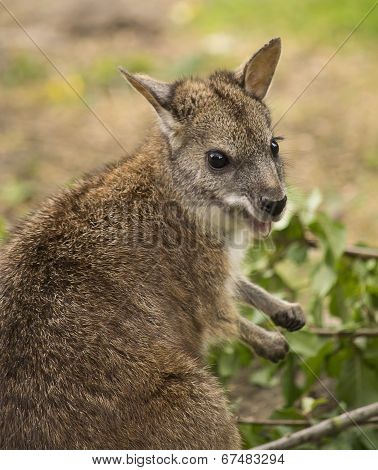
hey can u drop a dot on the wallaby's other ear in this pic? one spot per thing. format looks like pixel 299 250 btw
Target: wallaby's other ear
pixel 256 74
pixel 158 94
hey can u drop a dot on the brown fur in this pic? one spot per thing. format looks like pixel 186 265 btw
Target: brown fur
pixel 112 291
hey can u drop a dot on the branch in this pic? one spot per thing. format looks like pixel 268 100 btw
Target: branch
pixel 288 422
pixel 274 422
pixel 329 426
pixel 329 332
pixel 352 251
pixel 361 252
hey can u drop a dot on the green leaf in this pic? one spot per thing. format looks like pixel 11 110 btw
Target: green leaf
pixel 370 353
pixel 293 275
pixel 225 364
pixel 297 252
pixel 357 382
pixel 336 361
pixel 331 233
pixel 252 436
pixel 288 413
pixel 323 279
pixel 289 387
pixel 337 304
pixel 316 365
pixel 309 404
pixel 315 309
pixel 305 343
pixel 313 202
pixel 265 376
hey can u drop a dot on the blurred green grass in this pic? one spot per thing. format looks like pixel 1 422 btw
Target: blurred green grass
pixel 322 20
pixel 23 68
pixel 102 70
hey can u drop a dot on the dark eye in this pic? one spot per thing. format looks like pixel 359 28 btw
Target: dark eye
pixel 217 160
pixel 274 147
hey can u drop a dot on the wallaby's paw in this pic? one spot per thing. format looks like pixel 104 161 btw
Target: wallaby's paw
pixel 292 318
pixel 274 347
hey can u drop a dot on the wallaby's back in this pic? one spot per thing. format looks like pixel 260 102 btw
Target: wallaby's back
pixel 94 353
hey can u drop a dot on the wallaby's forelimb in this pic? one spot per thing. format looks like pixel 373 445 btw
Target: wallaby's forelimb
pixel 271 345
pixel 285 314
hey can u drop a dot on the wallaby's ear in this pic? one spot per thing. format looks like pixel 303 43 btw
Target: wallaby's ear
pixel 158 94
pixel 256 74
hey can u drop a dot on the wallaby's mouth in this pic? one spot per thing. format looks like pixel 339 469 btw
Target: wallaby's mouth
pixel 243 208
pixel 259 228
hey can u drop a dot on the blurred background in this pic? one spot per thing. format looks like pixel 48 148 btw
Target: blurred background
pixel 48 137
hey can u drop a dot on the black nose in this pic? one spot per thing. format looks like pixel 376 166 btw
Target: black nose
pixel 272 207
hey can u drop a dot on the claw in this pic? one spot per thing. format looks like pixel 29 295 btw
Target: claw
pixel 292 319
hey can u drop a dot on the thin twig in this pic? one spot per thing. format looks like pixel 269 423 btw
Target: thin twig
pixel 352 251
pixel 325 428
pixel 273 422
pixel 361 252
pixel 371 332
pixel 287 422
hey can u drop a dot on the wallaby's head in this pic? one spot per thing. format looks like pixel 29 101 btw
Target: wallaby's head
pixel 223 150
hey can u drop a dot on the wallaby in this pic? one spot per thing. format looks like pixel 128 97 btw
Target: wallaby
pixel 111 292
